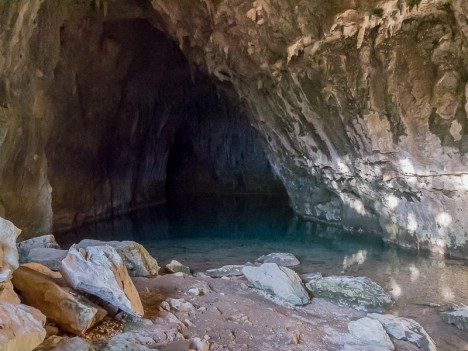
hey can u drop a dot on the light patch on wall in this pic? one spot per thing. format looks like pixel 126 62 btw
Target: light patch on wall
pixel 392 201
pixel 411 222
pixel 444 219
pixel 407 166
pixel 455 130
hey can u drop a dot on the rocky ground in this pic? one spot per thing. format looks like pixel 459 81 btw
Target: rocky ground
pixel 113 296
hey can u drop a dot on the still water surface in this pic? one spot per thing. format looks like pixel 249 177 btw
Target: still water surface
pixel 208 232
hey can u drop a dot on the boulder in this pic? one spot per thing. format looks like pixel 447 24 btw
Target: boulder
pixel 100 271
pixel 225 271
pixel 40 242
pixel 360 293
pixel 175 266
pixel 136 258
pixel 7 293
pixel 22 327
pixel 279 281
pixel 372 333
pixel 129 341
pixel 284 259
pixel 405 329
pixel 51 258
pixel 8 251
pixel 64 343
pixel 456 314
pixel 64 306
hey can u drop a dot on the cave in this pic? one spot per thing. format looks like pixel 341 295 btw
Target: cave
pixel 185 173
pixel 143 127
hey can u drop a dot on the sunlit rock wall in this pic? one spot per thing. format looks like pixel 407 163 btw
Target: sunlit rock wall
pixel 363 103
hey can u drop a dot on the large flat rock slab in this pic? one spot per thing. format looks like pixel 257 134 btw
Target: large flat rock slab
pixel 361 293
pixel 71 311
pixel 100 271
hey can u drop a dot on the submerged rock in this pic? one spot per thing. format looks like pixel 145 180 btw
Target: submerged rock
pixel 68 309
pixel 22 327
pixel 137 259
pixel 284 259
pixel 405 329
pixel 40 242
pixel 225 271
pixel 456 314
pixel 8 251
pixel 99 271
pixel 372 333
pixel 361 293
pixel 280 281
pixel 175 266
pixel 49 257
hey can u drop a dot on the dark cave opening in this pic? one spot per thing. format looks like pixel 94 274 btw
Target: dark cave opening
pixel 135 125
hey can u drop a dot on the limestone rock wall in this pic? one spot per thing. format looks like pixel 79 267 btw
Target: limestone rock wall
pixel 363 103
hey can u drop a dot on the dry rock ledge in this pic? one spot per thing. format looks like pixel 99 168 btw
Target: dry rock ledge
pixel 108 310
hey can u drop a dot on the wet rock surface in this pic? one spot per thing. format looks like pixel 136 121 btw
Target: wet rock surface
pixel 456 314
pixel 360 293
pixel 284 259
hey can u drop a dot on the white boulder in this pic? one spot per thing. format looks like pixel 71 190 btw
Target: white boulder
pixel 100 271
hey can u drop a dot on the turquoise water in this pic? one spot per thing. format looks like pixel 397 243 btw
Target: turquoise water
pixel 207 232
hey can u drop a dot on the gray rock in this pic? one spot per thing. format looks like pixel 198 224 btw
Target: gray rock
pixel 49 257
pixel 405 329
pixel 65 307
pixel 371 332
pixel 22 327
pixel 225 271
pixel 129 341
pixel 40 242
pixel 64 343
pixel 175 266
pixel 279 281
pixel 8 251
pixel 136 258
pixel 361 293
pixel 99 271
pixel 284 259
pixel 456 314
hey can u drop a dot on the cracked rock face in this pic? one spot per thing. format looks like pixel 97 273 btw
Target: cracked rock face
pixel 362 105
